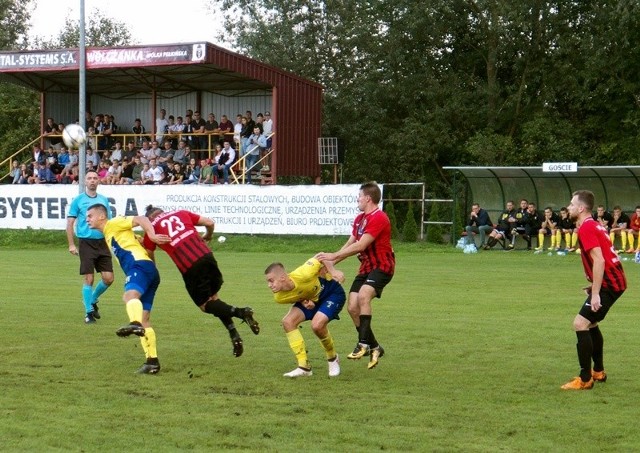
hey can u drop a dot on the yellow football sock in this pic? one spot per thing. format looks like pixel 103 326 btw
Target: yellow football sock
pixel 574 239
pixel 134 310
pixel 567 239
pixel 541 240
pixel 553 240
pixel 623 238
pixel 296 343
pixel 559 238
pixel 327 344
pixel 612 237
pixel 149 343
pixel 631 240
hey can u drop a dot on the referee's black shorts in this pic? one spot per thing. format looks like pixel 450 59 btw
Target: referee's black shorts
pixel 203 279
pixel 95 256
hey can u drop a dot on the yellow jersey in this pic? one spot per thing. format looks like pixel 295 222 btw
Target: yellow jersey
pixel 308 286
pixel 119 235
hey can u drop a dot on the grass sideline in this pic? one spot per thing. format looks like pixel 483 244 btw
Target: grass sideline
pixel 477 347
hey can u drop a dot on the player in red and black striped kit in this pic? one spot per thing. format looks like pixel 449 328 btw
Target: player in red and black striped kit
pixel 371 240
pixel 199 269
pixel 604 271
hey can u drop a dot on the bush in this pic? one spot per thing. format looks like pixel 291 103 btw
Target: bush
pixel 434 231
pixel 391 213
pixel 410 228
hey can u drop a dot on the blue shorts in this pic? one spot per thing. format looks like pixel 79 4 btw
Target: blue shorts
pixel 330 302
pixel 143 277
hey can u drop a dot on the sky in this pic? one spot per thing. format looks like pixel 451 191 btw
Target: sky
pixel 174 22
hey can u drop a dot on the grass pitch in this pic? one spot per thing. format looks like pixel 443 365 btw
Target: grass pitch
pixel 477 348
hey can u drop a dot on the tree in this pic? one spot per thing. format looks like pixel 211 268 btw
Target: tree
pixel 14 20
pixel 100 31
pixel 410 227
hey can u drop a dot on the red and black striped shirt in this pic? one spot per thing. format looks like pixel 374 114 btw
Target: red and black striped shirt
pixel 591 235
pixel 379 254
pixel 186 246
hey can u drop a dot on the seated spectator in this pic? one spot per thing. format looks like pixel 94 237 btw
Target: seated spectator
pixel 25 173
pixel 14 174
pixel 146 153
pixel 38 155
pixel 548 227
pixel 503 229
pixel 180 154
pixel 632 232
pixel 166 155
pixel 126 172
pixel 114 172
pixel 226 159
pixel 130 152
pixel 175 174
pixel 70 170
pixel 45 175
pixel 603 217
pixel 156 171
pixel 117 152
pixel 93 158
pixel 146 176
pixel 206 172
pixel 191 173
pixel 138 168
pixel 619 226
pixel 478 222
pixel 566 227
pixel 103 172
pixel 532 222
pixel 63 157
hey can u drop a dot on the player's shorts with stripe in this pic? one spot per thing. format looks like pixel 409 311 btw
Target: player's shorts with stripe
pixel 95 256
pixel 331 301
pixel 143 277
pixel 203 279
pixel 607 299
pixel 375 278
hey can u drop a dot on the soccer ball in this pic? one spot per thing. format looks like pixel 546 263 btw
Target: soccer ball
pixel 73 135
pixel 221 239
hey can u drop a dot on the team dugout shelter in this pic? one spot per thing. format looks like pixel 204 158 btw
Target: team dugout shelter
pixel 550 185
pixel 137 81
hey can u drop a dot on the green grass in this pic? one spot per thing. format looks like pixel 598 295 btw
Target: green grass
pixel 477 348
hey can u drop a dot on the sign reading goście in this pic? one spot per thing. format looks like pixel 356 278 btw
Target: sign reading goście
pixel 241 209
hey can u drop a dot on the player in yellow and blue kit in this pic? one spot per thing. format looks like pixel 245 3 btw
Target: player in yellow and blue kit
pixel 141 276
pixel 315 297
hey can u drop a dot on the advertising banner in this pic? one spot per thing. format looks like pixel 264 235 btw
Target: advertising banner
pixel 241 209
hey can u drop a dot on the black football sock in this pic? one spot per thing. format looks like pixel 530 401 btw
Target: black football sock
pixel 364 329
pixel 585 351
pixel 219 309
pixel 598 345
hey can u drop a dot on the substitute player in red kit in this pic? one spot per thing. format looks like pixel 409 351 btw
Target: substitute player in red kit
pixel 371 240
pixel 199 269
pixel 604 271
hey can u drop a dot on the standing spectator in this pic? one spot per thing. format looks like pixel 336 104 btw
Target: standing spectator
pixel 314 296
pixel 139 130
pixel 370 240
pixel 237 131
pixel 141 276
pixel 479 223
pixel 256 142
pixel 161 126
pixel 195 261
pixel 92 248
pixel 226 160
pixel 51 132
pixel 268 130
pixel 225 127
pixel 110 128
pixel 198 124
pixel 607 282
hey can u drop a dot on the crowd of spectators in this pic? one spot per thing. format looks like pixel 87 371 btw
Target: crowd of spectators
pixel 173 154
pixel 528 223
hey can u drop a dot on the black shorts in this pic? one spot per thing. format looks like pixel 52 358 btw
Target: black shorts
pixel 375 278
pixel 203 279
pixel 95 256
pixel 607 299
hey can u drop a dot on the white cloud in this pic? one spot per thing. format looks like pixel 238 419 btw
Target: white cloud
pixel 148 21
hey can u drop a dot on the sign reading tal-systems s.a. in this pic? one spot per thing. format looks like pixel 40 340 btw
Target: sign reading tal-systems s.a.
pixel 570 167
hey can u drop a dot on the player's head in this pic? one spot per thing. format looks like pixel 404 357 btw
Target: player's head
pixel 275 275
pixel 97 216
pixel 372 190
pixel 151 212
pixel 581 204
pixel 617 209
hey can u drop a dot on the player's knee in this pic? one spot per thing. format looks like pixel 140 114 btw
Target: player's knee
pixel 288 324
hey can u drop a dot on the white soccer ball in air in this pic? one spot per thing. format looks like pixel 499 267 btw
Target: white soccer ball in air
pixel 73 135
pixel 221 239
